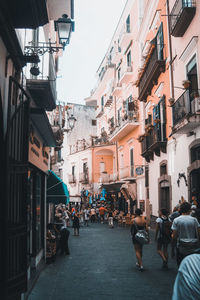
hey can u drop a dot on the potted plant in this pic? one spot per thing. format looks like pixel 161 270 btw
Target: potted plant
pixel 141 138
pixel 171 101
pixel 186 84
pixel 157 121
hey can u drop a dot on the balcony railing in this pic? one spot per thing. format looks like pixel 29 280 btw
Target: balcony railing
pixel 125 34
pixel 43 87
pixel 126 74
pixel 108 101
pixel 71 178
pixel 152 71
pixel 184 111
pixel 126 172
pixel 154 142
pixel 84 177
pixel 107 178
pixel 181 16
pixel 125 126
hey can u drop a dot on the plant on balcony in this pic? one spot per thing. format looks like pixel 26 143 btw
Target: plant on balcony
pixel 171 101
pixel 149 128
pixel 157 121
pixel 124 117
pixel 186 84
pixel 141 138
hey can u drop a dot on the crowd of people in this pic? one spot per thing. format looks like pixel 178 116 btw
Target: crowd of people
pixel 179 231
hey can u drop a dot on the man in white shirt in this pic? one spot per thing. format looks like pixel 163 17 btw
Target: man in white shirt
pixel 186 233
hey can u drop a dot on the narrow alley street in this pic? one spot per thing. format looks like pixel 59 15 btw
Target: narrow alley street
pixel 101 265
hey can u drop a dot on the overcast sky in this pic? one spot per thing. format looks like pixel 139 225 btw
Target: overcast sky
pixel 95 23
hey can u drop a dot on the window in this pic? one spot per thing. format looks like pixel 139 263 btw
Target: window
pixel 131 162
pixel 73 170
pixel 119 116
pixel 192 77
pixel 85 168
pixel 195 153
pixel 163 169
pixel 94 122
pixel 118 74
pixel 160 42
pixel 129 59
pixel 102 103
pixel 128 27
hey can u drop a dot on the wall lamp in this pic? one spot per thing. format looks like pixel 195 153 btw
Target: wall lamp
pixel 63 26
pixel 71 121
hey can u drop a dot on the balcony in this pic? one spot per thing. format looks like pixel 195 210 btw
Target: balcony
pixel 100 113
pixel 117 89
pixel 126 126
pixel 181 16
pixel 84 178
pixel 27 13
pixel 43 88
pixel 108 101
pixel 127 173
pixel 185 113
pixel 154 66
pixel 126 74
pixel 71 178
pixel 125 35
pixel 154 142
pixel 107 178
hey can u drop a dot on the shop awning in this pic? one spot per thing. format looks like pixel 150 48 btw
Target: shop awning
pixel 57 191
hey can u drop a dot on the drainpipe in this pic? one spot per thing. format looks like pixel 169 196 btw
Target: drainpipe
pixel 170 51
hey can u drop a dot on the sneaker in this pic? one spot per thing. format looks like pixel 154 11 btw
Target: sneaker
pixel 137 265
pixel 141 268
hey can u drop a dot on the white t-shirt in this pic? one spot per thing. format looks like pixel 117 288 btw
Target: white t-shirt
pixel 86 214
pixel 186 227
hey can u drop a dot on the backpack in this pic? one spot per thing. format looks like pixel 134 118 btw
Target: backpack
pixel 165 228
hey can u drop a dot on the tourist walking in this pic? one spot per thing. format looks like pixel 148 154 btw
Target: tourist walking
pixel 185 234
pixel 110 220
pixel 139 224
pixel 93 215
pixel 76 224
pixel 86 216
pixel 163 235
pixel 64 236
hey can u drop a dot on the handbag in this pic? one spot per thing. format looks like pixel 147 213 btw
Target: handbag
pixel 187 247
pixel 141 236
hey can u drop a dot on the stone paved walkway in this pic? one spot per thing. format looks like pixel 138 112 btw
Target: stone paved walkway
pixel 101 266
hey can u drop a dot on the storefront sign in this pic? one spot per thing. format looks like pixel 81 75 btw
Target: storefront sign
pixel 139 170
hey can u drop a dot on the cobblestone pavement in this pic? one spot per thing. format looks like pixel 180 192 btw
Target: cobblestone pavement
pixel 101 266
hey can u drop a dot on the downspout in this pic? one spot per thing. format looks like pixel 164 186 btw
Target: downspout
pixel 115 105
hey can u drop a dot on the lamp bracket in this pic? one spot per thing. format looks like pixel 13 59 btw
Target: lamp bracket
pixel 41 48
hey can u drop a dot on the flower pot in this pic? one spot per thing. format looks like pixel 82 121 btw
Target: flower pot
pixel 171 101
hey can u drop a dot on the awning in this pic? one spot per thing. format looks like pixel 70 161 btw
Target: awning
pixel 57 191
pixel 112 187
pixel 41 122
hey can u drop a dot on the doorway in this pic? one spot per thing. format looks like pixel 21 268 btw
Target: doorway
pixel 164 195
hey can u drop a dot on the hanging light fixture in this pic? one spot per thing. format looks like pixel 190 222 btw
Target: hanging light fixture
pixel 71 121
pixel 64 26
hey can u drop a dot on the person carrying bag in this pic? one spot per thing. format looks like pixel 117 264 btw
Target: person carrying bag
pixel 140 236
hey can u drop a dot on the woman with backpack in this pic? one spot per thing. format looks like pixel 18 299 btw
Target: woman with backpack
pixel 163 235
pixel 139 225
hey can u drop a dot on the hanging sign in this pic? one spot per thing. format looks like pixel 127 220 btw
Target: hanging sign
pixel 139 170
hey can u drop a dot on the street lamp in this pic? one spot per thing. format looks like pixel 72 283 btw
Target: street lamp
pixel 71 121
pixel 64 26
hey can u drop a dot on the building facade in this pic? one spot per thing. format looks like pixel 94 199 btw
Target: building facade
pixel 28 90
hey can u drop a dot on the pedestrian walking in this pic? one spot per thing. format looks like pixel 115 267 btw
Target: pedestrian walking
pixel 76 224
pixel 110 220
pixel 187 285
pixel 64 236
pixel 102 211
pixel 93 215
pixel 139 224
pixel 185 234
pixel 163 235
pixel 86 216
pixel 97 214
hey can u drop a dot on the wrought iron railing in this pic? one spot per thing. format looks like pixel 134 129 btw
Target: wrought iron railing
pixel 181 108
pixel 177 10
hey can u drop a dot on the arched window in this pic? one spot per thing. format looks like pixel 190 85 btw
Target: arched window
pixel 163 168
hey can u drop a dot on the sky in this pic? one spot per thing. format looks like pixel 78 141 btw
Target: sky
pixel 95 23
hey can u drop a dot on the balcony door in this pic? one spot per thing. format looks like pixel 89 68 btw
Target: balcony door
pixel 192 77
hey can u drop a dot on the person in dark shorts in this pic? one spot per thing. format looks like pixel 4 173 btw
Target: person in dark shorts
pixel 76 224
pixel 64 236
pixel 163 235
pixel 139 224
